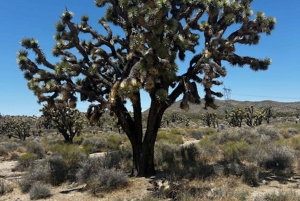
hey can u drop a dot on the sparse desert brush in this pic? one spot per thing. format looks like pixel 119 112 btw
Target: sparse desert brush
pixel 58 169
pixel 200 132
pixel 94 144
pixel 235 150
pixel 272 133
pixel 278 196
pixel 167 156
pixel 39 173
pixel 5 187
pixel 178 131
pixel 10 146
pixel 26 160
pixel 107 180
pixel 251 175
pixel 39 191
pixel 3 151
pixel 113 141
pixel 65 162
pixel 164 136
pixel 208 150
pixel 119 159
pixel 36 148
pixel 279 158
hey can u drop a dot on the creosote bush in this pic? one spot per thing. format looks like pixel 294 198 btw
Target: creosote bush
pixel 40 173
pixel 100 174
pixel 113 141
pixel 39 191
pixel 26 160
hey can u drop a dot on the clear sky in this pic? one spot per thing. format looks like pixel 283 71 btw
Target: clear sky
pixel 36 18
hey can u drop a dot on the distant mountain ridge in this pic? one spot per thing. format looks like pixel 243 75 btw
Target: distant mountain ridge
pixel 277 107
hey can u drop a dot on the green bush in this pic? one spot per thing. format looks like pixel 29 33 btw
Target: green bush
pixel 113 141
pixel 235 150
pixel 169 137
pixel 58 169
pixel 39 191
pixel 26 160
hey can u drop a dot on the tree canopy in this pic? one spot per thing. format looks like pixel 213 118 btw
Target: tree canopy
pixel 110 69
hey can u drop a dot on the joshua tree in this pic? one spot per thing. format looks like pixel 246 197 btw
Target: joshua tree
pixel 210 118
pixel 68 121
pixel 111 69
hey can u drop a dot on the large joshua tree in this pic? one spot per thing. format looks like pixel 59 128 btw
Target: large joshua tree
pixel 112 69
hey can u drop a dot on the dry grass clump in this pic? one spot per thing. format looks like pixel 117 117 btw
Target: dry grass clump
pixel 278 196
pixel 113 141
pixel 5 187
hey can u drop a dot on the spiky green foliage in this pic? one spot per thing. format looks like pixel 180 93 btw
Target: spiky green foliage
pixel 155 34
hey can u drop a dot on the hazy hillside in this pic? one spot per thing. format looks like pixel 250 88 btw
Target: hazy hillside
pixel 277 107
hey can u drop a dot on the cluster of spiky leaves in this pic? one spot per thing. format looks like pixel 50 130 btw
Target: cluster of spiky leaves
pixel 110 69
pixel 67 120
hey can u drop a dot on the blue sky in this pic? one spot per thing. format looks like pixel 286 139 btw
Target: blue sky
pixel 35 18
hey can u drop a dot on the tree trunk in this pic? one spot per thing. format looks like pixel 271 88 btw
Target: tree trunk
pixel 146 157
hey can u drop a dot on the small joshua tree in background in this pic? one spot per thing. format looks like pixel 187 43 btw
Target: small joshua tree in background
pixel 67 120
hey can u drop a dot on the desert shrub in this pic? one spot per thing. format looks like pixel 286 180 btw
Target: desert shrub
pixel 36 148
pixel 38 174
pixel 94 144
pixel 199 133
pixel 14 156
pixel 58 169
pixel 26 160
pixel 279 158
pixel 268 131
pixel 5 187
pixel 88 168
pixel 279 196
pixel 3 151
pixel 167 156
pixel 235 150
pixel 39 191
pixel 107 179
pixel 113 141
pixel 251 175
pixel 189 154
pixel 69 155
pixel 195 133
pixel 10 146
pixel 115 159
pixel 208 150
pixel 169 137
